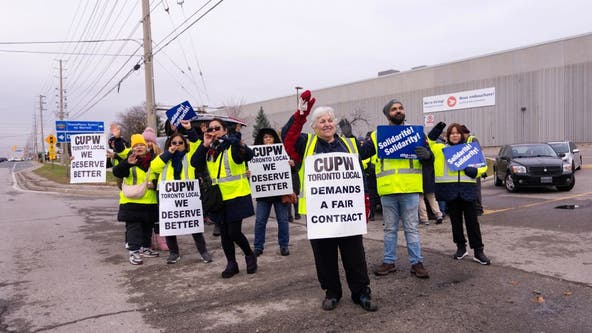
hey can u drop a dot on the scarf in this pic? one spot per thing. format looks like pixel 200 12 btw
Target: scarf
pixel 177 163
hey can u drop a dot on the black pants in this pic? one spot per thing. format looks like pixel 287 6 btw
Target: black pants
pixel 138 234
pixel 478 204
pixel 198 238
pixel 456 209
pixel 231 233
pixel 353 258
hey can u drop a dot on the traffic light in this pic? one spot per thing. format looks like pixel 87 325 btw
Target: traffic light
pixel 51 140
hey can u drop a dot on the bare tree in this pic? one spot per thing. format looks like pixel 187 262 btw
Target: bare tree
pixel 132 121
pixel 233 108
pixel 346 124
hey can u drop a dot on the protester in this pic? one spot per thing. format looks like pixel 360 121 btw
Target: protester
pixel 429 195
pixel 268 136
pixel 457 188
pixel 468 139
pixel 139 214
pixel 325 250
pixel 399 183
pixel 174 164
pixel 225 158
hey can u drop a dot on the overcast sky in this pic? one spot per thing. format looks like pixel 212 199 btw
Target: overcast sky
pixel 246 51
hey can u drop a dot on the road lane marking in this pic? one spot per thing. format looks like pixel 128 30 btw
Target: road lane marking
pixel 493 211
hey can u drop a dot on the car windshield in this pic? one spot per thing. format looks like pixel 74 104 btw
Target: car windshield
pixel 560 147
pixel 541 150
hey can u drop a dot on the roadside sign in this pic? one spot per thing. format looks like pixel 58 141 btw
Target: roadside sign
pixel 51 139
pixel 65 128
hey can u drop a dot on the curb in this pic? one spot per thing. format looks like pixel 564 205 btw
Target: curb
pixel 28 180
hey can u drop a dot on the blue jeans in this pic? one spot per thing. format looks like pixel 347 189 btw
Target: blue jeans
pixel 262 215
pixel 404 207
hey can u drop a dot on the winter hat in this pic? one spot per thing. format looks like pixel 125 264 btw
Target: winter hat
pixel 138 139
pixel 149 135
pixel 388 105
pixel 262 132
pixel 464 129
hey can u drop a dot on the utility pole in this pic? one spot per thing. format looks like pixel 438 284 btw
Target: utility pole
pixel 65 145
pixel 35 134
pixel 148 70
pixel 41 102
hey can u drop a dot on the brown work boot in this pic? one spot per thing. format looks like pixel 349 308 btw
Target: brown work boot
pixel 384 269
pixel 419 271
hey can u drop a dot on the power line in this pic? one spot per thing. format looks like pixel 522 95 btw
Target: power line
pixel 70 53
pixel 189 26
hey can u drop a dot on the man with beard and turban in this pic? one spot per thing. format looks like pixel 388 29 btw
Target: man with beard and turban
pixel 399 183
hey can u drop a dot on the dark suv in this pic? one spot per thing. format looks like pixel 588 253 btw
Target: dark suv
pixel 531 165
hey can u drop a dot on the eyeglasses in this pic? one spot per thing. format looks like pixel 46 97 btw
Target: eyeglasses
pixel 394 108
pixel 177 143
pixel 213 129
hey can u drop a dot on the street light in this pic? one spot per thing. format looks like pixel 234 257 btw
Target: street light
pixel 298 88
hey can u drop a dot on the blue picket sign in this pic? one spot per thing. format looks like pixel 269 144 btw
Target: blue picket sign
pixel 459 157
pixel 399 142
pixel 183 111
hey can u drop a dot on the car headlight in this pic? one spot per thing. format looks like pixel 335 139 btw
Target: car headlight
pixel 518 169
pixel 567 168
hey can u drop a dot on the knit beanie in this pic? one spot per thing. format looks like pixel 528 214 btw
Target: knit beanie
pixel 149 135
pixel 388 105
pixel 137 139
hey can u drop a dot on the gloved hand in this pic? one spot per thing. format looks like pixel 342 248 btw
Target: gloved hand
pixel 422 153
pixel 471 171
pixel 436 131
pixel 305 106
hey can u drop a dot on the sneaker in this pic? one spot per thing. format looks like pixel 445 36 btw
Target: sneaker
pixel 231 270
pixel 461 252
pixel 207 257
pixel 290 219
pixel 481 258
pixel 329 304
pixel 365 301
pixel 297 216
pixel 148 253
pixel 258 252
pixel 384 269
pixel 173 258
pixel 135 258
pixel 284 251
pixel 419 271
pixel 424 222
pixel 439 220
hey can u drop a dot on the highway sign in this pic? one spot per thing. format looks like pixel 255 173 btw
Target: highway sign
pixel 65 128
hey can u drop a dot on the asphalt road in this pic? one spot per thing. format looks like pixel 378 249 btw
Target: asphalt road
pixel 64 269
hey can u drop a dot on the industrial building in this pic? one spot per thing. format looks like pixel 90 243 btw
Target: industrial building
pixel 536 93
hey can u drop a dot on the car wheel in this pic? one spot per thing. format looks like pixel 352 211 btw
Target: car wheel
pixel 510 186
pixel 568 187
pixel 496 180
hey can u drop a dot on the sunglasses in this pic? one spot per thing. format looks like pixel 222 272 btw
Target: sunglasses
pixel 394 108
pixel 177 143
pixel 213 129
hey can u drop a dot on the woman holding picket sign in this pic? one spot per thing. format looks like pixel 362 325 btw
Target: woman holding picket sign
pixel 325 250
pixel 138 206
pixel 458 189
pixel 268 136
pixel 174 164
pixel 225 158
